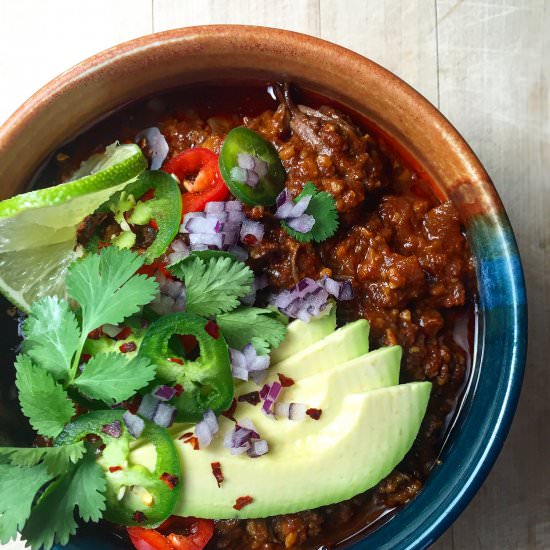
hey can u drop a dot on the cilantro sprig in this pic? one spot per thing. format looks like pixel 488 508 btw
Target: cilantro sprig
pixel 213 285
pixel 106 290
pixel 323 208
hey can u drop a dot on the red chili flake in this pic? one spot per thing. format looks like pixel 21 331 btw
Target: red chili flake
pixel 253 397
pixel 217 471
pixel 133 404
pixel 113 469
pixel 194 442
pixel 314 413
pixel 95 334
pixel 169 479
pixel 139 517
pixel 127 347
pixel 285 380
pixel 241 502
pixel 175 360
pixel 250 240
pixel 186 435
pixel 154 225
pixel 179 389
pixel 230 413
pixel 148 195
pixel 213 329
pixel 85 357
pixel 124 333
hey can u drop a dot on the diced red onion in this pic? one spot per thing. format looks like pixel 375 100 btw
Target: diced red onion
pixel 179 246
pixel 206 429
pixel 164 415
pixel 206 239
pixel 238 440
pixel 302 224
pixel 114 429
pixel 235 216
pixel 341 290
pixel 148 406
pixel 300 207
pixel 233 206
pixel 134 424
pixel 156 143
pixel 258 448
pixel 221 216
pixel 215 207
pixel 247 361
pixel 282 197
pixel 271 397
pixel 111 330
pixel 164 393
pixel 293 411
pixel 250 227
pixel 204 225
pixel 306 300
pixel 175 257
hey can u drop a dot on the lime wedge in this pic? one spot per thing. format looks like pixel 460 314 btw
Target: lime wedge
pixel 38 229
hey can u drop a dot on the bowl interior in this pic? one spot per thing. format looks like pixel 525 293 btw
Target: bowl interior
pixel 157 63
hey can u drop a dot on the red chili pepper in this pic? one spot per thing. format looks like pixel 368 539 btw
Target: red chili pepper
pixel 230 413
pixel 208 184
pixel 175 360
pixel 176 533
pixel 148 195
pixel 194 442
pixel 148 539
pixel 285 381
pixel 114 469
pixel 217 472
pixel 154 225
pixel 252 397
pixel 314 413
pixel 151 269
pixel 85 357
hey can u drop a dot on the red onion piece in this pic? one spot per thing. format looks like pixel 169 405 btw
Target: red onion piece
pixel 306 300
pixel 247 361
pixel 164 415
pixel 204 225
pixel 271 397
pixel 214 207
pixel 114 429
pixel 134 424
pixel 157 145
pixel 164 393
pixel 258 448
pixel 206 429
pixel 233 206
pixel 302 224
pixel 300 207
pixel 206 239
pixel 148 406
pixel 250 227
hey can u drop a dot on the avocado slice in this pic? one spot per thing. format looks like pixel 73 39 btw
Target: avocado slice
pixel 300 335
pixel 347 451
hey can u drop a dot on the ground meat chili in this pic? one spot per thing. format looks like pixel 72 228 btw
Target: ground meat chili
pixel 404 251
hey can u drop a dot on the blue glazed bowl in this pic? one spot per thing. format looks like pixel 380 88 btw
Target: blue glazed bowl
pixel 157 62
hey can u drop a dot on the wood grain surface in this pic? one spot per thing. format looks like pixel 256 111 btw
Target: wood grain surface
pixel 485 64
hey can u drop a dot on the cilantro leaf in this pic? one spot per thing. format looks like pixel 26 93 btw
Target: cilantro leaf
pixel 56 459
pixel 106 287
pixel 18 487
pixel 112 378
pixel 52 335
pixel 323 208
pixel 215 285
pixel 252 325
pixel 52 519
pixel 42 399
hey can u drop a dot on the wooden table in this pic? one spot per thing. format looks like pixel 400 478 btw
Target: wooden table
pixel 485 64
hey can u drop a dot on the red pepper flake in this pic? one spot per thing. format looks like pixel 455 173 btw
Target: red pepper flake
pixel 241 502
pixel 113 469
pixel 314 413
pixel 217 471
pixel 285 381
pixel 179 389
pixel 147 196
pixel 95 334
pixel 169 479
pixel 193 441
pixel 127 347
pixel 139 517
pixel 175 360
pixel 154 225
pixel 213 329
pixel 250 240
pixel 133 404
pixel 230 413
pixel 124 333
pixel 186 435
pixel 85 357
pixel 253 397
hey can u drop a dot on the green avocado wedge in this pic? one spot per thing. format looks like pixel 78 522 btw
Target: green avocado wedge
pixel 354 445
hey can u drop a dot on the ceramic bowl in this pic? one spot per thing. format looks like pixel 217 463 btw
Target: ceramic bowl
pixel 158 62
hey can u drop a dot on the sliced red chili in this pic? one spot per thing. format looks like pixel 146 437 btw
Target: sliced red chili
pixel 217 472
pixel 113 469
pixel 148 195
pixel 154 225
pixel 148 539
pixel 241 502
pixel 175 360
pixel 193 441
